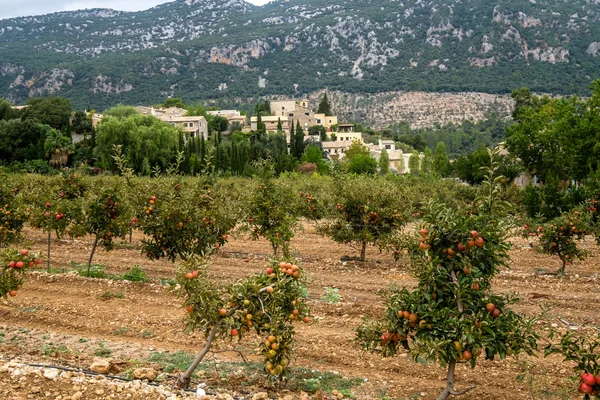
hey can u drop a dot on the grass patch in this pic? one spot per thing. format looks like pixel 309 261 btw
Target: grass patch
pixel 96 270
pixel 311 381
pixel 50 350
pixel 136 274
pixel 331 295
pixel 169 362
pixel 147 334
pixel 111 295
pixel 31 309
pixel 102 350
pixel 168 282
pixel 120 331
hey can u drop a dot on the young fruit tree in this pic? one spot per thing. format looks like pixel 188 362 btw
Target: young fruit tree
pixel 267 303
pixel 585 352
pixel 62 212
pixel 185 221
pixel 12 218
pixel 452 316
pixel 13 264
pixel 560 236
pixel 106 219
pixel 271 210
pixel 368 211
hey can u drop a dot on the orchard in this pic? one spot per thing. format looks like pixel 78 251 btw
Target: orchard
pixel 282 270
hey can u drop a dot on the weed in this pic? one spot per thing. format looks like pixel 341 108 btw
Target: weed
pixel 50 350
pixel 120 331
pixel 136 274
pixel 331 295
pixel 111 295
pixel 311 381
pixel 102 350
pixel 178 361
pixel 146 333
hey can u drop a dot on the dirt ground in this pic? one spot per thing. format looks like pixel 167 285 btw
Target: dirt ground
pixel 65 319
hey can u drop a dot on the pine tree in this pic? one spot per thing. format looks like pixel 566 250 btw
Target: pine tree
pixel 427 161
pixel 384 162
pixel 413 163
pixel 298 139
pixel 441 162
pixel 292 139
pixel 324 106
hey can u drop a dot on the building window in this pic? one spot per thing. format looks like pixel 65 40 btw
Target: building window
pixel 319 121
pixel 307 114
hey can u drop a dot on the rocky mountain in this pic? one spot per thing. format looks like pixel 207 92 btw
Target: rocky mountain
pixel 231 51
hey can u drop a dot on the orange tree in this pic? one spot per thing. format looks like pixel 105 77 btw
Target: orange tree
pixel 560 236
pixel 368 211
pixel 271 210
pixel 452 316
pixel 585 352
pixel 267 303
pixel 183 221
pixel 13 264
pixel 106 219
pixel 12 218
pixel 62 211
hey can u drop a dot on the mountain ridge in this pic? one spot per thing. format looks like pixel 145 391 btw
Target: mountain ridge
pixel 230 49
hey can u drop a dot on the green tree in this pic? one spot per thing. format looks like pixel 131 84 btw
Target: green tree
pixel 81 123
pixel 53 111
pixel 469 168
pixel 6 111
pixel 121 111
pixel 58 148
pixel 219 124
pixel 173 102
pixel 314 155
pixel 298 141
pixel 384 162
pixel 324 106
pixel 414 163
pixel 145 140
pixel 22 140
pixel 441 162
pixel 427 161
pixel 263 107
pixel 279 126
pixel 362 164
pixel 318 130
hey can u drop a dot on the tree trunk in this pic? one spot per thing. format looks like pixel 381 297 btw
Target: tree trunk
pixel 561 270
pixel 92 255
pixel 49 234
pixel 449 389
pixel 363 251
pixel 183 382
pixel 130 235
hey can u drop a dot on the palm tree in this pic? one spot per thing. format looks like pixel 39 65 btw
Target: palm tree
pixel 58 148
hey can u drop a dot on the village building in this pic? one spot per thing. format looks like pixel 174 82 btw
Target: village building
pixel 194 126
pixel 231 115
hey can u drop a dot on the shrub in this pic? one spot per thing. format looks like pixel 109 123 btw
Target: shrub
pixel 267 303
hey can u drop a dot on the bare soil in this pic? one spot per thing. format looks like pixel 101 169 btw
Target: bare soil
pixel 63 319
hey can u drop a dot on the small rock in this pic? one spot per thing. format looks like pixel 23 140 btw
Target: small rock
pixel 337 395
pixel 99 392
pixel 224 396
pixel 77 396
pixel 288 397
pixel 200 392
pixel 51 374
pixel 144 373
pixel 260 396
pixel 100 366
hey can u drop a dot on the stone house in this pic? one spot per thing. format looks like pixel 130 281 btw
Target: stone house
pixel 194 126
pixel 231 115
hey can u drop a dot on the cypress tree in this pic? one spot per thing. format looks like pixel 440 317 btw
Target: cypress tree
pixel 279 126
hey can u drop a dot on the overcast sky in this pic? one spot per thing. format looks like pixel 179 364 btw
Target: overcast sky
pixel 18 8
